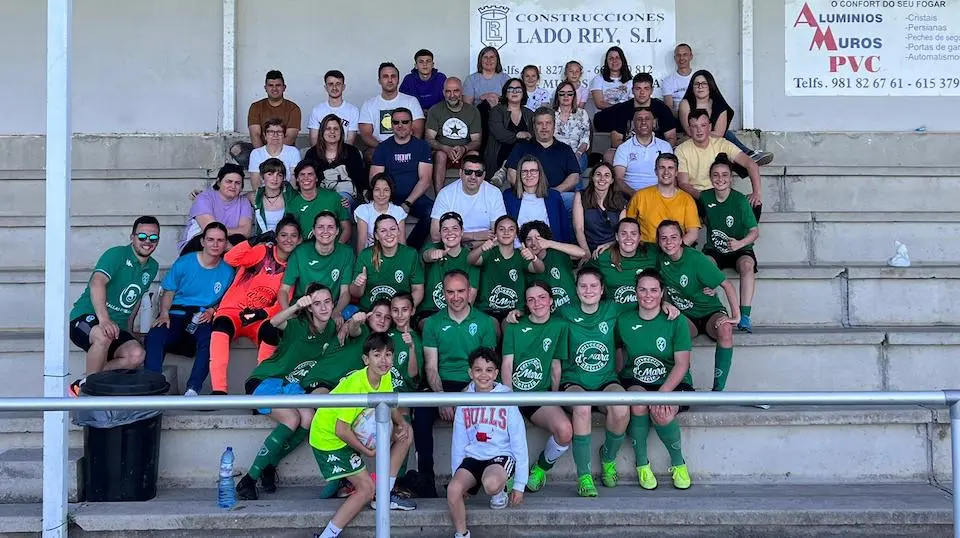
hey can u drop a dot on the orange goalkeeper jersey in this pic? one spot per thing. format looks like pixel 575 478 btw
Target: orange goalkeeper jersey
pixel 257 283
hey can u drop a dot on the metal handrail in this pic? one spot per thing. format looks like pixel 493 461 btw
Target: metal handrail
pixel 382 402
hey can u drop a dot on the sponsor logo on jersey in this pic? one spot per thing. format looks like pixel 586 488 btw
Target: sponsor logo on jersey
pixel 592 356
pixel 300 371
pixel 380 292
pixel 721 241
pixel 546 343
pixel 472 329
pixel 502 298
pixel 145 278
pixel 647 369
pixel 678 300
pixel 729 221
pixel 395 377
pixel 560 298
pixel 661 343
pixel 217 286
pixel 513 275
pixel 625 295
pixel 528 375
pixel 129 295
pixel 335 275
pixel 555 273
pixel 604 328
pixel 438 297
pixel 398 276
pixel 684 281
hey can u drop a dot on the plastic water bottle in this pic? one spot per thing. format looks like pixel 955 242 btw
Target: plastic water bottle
pixel 194 322
pixel 226 492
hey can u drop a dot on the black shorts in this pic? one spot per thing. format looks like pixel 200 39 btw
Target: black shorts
pixel 80 328
pixel 477 467
pixel 701 323
pixel 528 410
pixel 564 386
pixel 498 315
pixel 682 387
pixel 251 385
pixel 729 260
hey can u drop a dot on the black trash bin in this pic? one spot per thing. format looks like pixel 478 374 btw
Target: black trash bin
pixel 121 448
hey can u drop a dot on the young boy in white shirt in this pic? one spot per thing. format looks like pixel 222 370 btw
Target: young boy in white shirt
pixel 489 446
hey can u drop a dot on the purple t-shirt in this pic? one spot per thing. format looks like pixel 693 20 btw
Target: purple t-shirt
pixel 209 202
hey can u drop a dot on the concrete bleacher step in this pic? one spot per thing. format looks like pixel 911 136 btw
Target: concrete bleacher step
pixel 704 510
pixel 772 358
pixel 21 520
pixel 787 295
pixel 781 445
pixel 21 475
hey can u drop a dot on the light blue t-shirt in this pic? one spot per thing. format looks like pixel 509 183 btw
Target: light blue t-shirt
pixel 194 284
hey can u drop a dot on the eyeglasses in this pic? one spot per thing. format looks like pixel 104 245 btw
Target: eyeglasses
pixel 514 89
pixel 153 238
pixel 271 132
pixel 531 172
pixel 402 122
pixel 566 94
pixel 700 84
pixel 478 173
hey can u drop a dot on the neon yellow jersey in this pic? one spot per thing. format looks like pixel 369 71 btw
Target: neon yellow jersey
pixel 323 429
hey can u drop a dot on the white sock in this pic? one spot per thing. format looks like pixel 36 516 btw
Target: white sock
pixel 332 531
pixel 393 482
pixel 552 450
pixel 467 535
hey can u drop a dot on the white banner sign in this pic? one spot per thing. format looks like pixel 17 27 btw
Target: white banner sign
pixel 872 47
pixel 549 33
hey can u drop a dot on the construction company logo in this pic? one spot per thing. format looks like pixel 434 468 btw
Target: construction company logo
pixel 647 369
pixel 438 298
pixel 502 298
pixel 684 281
pixel 729 221
pixel 130 295
pixel 661 343
pixel 546 344
pixel 355 461
pixel 382 292
pixel 398 276
pixel 472 329
pixel 514 275
pixel 217 286
pixel 145 278
pixel 592 356
pixel 493 26
pixel 555 273
pixel 842 52
pixel 335 275
pixel 560 297
pixel 721 241
pixel 678 299
pixel 604 328
pixel 625 295
pixel 528 375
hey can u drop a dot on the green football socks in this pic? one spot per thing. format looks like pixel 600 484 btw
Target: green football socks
pixel 723 359
pixel 611 445
pixel 272 445
pixel 581 454
pixel 670 435
pixel 639 429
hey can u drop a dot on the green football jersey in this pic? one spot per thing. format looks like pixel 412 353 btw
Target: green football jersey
pixel 337 361
pixel 502 281
pixel 685 280
pixel 534 347
pixel 730 219
pixel 298 352
pixel 558 273
pixel 649 346
pixel 307 211
pixel 591 345
pixel 621 284
pixel 402 382
pixel 129 280
pixel 396 274
pixel 307 266
pixel 455 341
pixel 433 298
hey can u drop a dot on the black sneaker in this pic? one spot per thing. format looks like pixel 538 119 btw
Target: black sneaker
pixel 247 489
pixel 268 479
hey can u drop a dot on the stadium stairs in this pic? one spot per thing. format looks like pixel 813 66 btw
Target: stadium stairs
pixel 829 315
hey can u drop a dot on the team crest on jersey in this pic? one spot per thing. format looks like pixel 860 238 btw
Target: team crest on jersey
pixel 592 356
pixel 684 280
pixel 555 273
pixel 528 375
pixel 604 328
pixel 90 318
pixel 661 343
pixel 355 461
pixel 729 221
pixel 546 344
pixel 625 295
pixel 472 329
pixel 217 286
pixel 129 296
pixel 335 275
pixel 398 276
pixel 647 369
pixel 145 278
pixel 513 275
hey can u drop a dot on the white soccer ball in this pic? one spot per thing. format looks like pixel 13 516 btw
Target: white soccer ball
pixel 365 428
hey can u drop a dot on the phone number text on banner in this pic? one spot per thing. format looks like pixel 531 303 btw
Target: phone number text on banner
pixel 872 47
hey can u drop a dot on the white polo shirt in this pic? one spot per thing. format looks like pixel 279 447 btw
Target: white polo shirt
pixel 479 211
pixel 640 161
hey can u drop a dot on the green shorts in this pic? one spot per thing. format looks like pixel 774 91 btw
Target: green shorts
pixel 339 463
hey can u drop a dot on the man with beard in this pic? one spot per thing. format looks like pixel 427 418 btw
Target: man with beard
pixel 453 130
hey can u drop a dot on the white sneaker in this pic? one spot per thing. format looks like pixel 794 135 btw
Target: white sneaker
pixel 190 392
pixel 458 535
pixel 499 501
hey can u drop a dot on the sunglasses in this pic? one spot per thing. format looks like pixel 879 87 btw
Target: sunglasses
pixel 153 238
pixel 478 173
pixel 402 122
pixel 514 89
pixel 566 94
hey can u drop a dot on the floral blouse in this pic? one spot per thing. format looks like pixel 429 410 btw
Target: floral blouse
pixel 575 131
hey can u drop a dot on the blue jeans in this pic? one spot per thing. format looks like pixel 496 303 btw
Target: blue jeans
pixel 732 137
pixel 175 338
pixel 567 198
pixel 583 162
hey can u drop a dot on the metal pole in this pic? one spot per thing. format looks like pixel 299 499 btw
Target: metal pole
pixel 228 102
pixel 746 64
pixel 383 470
pixel 57 265
pixel 955 449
